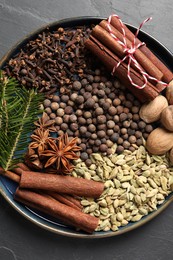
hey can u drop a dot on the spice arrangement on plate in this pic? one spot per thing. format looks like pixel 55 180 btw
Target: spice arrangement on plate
pixel 93 159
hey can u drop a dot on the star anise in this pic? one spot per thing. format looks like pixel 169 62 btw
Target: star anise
pixel 61 152
pixel 45 123
pixel 40 138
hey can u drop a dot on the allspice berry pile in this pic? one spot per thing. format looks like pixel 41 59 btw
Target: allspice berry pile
pixel 100 112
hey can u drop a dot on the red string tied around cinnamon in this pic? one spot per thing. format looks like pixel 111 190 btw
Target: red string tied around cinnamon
pixel 129 53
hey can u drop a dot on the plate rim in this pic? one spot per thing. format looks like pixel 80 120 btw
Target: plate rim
pixel 19 207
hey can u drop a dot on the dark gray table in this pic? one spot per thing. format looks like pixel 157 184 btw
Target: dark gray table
pixel 20 239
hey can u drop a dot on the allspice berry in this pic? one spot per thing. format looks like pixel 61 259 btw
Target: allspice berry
pixel 72 118
pixel 79 100
pixel 99 111
pixel 68 110
pixel 89 103
pixel 112 110
pixel 103 148
pixel 84 82
pixel 54 105
pixel 58 120
pixel 77 85
pixel 82 130
pixel 132 139
pixel 47 103
pixel 91 128
pixel 101 119
pixel 74 126
pixel 84 156
pixel 60 112
pixel 64 126
pixel 120 149
pixel 123 117
pixel 110 124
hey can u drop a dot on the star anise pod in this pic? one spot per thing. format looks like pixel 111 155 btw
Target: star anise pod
pixel 61 152
pixel 45 123
pixel 40 139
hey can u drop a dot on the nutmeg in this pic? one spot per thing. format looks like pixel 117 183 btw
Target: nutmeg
pixel 167 118
pixel 169 92
pixel 159 141
pixel 151 111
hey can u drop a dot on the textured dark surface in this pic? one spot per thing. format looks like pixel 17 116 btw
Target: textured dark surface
pixel 20 239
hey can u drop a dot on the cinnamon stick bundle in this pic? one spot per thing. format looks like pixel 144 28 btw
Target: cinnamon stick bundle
pixel 61 184
pixel 167 74
pixel 56 209
pixel 101 32
pixel 111 60
pixel 110 52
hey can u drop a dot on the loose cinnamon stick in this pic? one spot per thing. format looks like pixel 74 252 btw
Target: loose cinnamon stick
pixel 61 184
pixel 101 32
pixel 56 209
pixel 167 74
pixel 64 198
pixel 110 60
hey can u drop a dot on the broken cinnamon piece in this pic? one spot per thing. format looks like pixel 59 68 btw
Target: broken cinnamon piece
pixel 167 74
pixel 111 60
pixel 10 175
pixel 23 166
pixel 19 167
pixel 17 170
pixel 56 209
pixel 101 32
pixel 61 184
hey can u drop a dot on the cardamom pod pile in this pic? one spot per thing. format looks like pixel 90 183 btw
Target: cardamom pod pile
pixel 136 183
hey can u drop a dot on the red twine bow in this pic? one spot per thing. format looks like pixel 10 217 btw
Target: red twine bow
pixel 129 53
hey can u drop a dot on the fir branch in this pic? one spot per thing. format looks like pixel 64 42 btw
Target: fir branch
pixel 21 110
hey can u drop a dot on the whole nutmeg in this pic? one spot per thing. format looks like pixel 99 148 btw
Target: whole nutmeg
pixel 159 141
pixel 167 118
pixel 169 93
pixel 151 111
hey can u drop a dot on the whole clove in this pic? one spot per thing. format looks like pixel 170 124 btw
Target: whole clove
pixel 52 59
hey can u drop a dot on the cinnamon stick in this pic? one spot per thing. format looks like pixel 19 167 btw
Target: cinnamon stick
pixel 65 199
pixel 101 32
pixel 61 184
pixel 111 60
pixel 167 74
pixel 56 209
